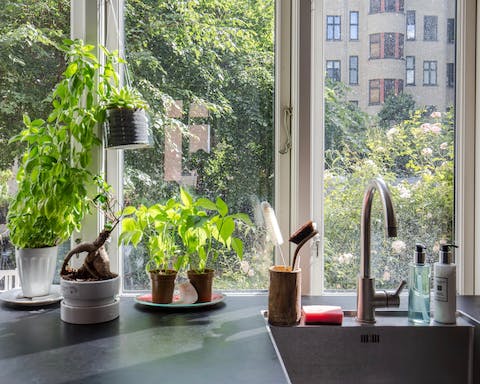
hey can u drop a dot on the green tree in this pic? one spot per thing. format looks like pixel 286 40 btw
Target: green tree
pixel 396 109
pixel 30 65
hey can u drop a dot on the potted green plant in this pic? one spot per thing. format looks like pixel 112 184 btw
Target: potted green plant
pixel 127 124
pixel 90 292
pixel 53 176
pixel 157 227
pixel 207 230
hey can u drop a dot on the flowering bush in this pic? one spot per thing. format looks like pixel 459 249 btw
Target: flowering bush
pixel 415 158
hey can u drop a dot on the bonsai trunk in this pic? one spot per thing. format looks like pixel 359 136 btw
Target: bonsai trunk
pixel 96 265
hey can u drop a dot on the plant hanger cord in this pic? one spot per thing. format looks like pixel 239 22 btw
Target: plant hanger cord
pixel 121 47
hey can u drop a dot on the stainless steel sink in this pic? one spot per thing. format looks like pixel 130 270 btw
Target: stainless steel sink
pixel 390 351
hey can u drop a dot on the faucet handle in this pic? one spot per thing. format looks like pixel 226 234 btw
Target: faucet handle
pixel 400 287
pixel 393 299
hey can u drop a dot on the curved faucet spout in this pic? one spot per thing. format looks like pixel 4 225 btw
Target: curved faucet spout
pixel 390 221
pixel 367 297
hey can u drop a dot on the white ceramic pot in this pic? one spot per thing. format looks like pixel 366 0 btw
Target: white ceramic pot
pixel 89 302
pixel 36 268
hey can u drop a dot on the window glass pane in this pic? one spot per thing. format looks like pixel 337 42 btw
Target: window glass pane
pixel 389 45
pixel 375 46
pixel 30 67
pixel 353 70
pixel 403 133
pixel 208 74
pixel 390 5
pixel 430 28
pixel 410 62
pixel 353 25
pixel 451 30
pixel 410 25
pixel 375 6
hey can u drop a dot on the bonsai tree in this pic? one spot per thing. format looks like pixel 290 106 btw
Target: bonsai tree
pixel 96 265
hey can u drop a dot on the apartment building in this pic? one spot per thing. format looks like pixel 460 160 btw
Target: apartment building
pixel 384 47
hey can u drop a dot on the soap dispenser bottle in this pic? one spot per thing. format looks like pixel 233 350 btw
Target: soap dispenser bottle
pixel 445 287
pixel 419 288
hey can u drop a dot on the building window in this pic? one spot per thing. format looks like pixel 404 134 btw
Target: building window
pixel 375 6
pixel 375 46
pixel 333 28
pixel 390 6
pixel 386 45
pixel 451 31
pixel 388 88
pixel 389 46
pixel 354 25
pixel 430 28
pixel 411 25
pixel 333 70
pixel 429 73
pixel 353 70
pixel 374 92
pixel 410 70
pixel 450 75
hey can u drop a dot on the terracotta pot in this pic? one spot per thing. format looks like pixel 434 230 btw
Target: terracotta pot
pixel 163 284
pixel 203 284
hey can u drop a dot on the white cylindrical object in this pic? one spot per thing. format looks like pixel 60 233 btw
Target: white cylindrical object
pixel 36 269
pixel 444 290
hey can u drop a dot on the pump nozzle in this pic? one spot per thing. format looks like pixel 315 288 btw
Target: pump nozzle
pixel 445 257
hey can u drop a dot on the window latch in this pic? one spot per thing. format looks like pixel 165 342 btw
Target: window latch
pixel 287 114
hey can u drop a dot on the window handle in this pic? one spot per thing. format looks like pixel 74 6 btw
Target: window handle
pixel 287 114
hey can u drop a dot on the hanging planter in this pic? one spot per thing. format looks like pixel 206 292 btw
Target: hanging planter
pixel 127 128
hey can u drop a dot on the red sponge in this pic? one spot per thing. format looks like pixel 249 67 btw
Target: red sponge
pixel 323 314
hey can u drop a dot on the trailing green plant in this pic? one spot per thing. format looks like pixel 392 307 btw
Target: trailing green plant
pixel 157 227
pixel 112 95
pixel 207 230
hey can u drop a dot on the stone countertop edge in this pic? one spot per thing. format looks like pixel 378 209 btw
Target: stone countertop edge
pixel 227 343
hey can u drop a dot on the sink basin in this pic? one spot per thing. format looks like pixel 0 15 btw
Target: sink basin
pixel 390 351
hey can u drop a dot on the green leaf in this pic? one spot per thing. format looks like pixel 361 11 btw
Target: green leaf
pixel 71 70
pixel 206 203
pixel 222 207
pixel 228 226
pixel 186 198
pixel 128 211
pixel 237 246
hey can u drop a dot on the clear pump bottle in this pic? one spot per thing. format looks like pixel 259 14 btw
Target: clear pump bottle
pixel 419 288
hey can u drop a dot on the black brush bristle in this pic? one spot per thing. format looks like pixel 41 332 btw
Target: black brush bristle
pixel 304 231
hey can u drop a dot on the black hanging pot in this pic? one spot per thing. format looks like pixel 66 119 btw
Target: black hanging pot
pixel 127 129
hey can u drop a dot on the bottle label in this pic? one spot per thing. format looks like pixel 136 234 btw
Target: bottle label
pixel 441 289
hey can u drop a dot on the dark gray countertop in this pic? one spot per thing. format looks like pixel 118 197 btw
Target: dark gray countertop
pixel 228 343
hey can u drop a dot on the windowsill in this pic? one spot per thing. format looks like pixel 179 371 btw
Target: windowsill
pixel 430 85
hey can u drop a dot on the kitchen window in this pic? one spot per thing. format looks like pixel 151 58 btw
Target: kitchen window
pixel 336 259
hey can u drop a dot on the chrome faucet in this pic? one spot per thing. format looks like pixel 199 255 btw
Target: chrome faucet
pixel 367 298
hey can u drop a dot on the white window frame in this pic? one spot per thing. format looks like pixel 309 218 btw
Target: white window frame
pixel 297 201
pixel 467 169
